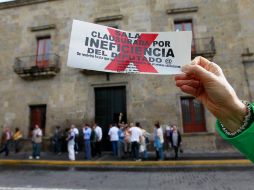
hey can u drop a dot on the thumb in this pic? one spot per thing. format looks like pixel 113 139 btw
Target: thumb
pixel 198 71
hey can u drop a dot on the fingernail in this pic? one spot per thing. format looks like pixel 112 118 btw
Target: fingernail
pixel 184 68
pixel 194 62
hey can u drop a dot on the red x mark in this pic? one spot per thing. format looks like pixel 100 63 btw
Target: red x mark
pixel 123 59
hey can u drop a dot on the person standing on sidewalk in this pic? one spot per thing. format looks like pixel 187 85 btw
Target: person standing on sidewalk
pixel 87 136
pixel 158 141
pixel 36 141
pixel 168 131
pixel 76 146
pixel 16 138
pixel 121 141
pixel 57 140
pixel 98 132
pixel 144 143
pixel 5 141
pixel 114 138
pixel 127 141
pixel 175 140
pixel 93 141
pixel 71 143
pixel 136 135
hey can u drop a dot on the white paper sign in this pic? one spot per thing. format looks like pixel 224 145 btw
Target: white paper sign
pixel 102 48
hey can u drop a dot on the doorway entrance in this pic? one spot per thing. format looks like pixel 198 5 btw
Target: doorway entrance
pixel 37 116
pixel 109 103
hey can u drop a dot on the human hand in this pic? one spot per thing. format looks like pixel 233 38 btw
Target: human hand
pixel 206 81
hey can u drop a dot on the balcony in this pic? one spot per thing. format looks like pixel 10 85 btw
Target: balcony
pixel 37 66
pixel 203 47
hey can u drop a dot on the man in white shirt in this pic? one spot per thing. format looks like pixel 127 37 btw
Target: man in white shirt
pixel 36 140
pixel 136 135
pixel 98 132
pixel 71 142
pixel 113 134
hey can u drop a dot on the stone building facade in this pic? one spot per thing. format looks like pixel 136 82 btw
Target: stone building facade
pixel 35 31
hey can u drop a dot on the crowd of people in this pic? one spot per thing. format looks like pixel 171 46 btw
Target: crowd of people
pixel 128 141
pixel 8 137
pixel 202 79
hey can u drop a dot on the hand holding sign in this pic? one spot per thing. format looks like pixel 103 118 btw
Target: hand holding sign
pixel 206 81
pixel 101 48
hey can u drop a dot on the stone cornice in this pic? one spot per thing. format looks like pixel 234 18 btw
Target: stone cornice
pixel 182 10
pixel 18 3
pixel 44 27
pixel 108 18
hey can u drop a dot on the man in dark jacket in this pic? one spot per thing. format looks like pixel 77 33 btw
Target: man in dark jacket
pixel 175 140
pixel 57 140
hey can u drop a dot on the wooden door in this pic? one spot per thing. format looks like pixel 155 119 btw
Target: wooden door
pixel 109 103
pixel 38 116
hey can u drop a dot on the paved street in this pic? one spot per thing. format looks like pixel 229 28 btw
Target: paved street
pixel 31 178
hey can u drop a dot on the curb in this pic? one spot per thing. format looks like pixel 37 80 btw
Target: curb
pixel 129 166
pixel 238 162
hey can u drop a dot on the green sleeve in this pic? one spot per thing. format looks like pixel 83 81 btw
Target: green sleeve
pixel 244 142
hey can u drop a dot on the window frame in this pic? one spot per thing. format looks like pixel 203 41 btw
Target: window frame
pixel 42 60
pixel 188 127
pixel 185 21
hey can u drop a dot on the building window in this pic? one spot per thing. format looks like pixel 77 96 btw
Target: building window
pixel 192 115
pixel 43 51
pixel 185 26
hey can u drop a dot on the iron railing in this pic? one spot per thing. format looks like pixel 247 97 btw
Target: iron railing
pixel 203 47
pixel 36 64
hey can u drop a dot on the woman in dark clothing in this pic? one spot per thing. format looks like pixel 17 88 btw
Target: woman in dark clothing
pixel 93 141
pixel 175 140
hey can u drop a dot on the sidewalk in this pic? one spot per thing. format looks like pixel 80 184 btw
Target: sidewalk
pixel 108 162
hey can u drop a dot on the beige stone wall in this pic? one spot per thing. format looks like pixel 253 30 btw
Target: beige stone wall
pixel 246 36
pixel 70 95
